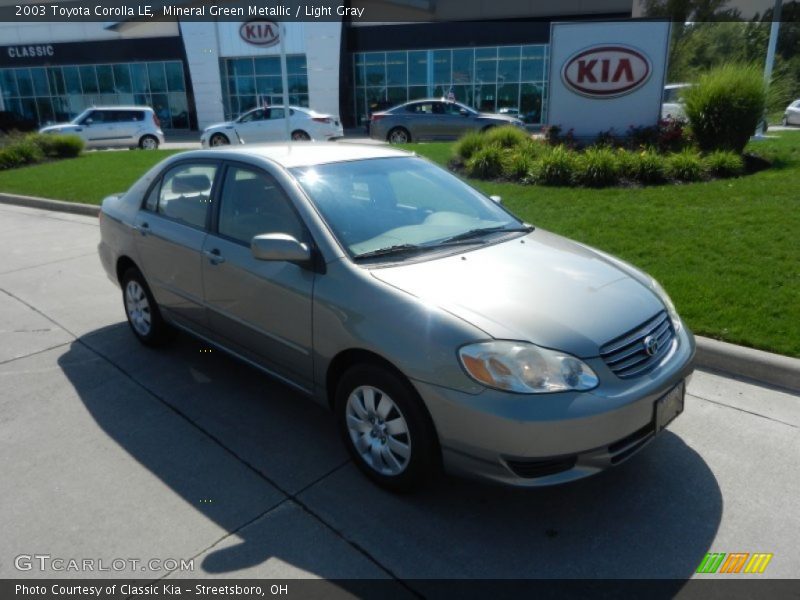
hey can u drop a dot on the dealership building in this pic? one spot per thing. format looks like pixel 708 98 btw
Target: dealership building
pixel 194 73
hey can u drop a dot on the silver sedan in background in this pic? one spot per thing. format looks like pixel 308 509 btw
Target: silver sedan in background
pixel 433 119
pixel 438 327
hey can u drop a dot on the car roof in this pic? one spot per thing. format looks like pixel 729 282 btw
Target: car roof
pixel 302 154
pixel 123 107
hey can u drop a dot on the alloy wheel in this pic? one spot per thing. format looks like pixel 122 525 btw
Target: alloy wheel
pixel 138 308
pixel 378 430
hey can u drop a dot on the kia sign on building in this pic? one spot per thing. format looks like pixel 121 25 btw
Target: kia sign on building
pixel 606 75
pixel 260 33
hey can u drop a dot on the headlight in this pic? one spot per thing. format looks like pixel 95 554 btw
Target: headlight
pixel 662 294
pixel 525 368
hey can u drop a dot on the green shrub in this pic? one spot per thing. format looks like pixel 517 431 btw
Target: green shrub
pixel 517 165
pixel 56 145
pixel 21 152
pixel 486 163
pixel 648 167
pixel 506 136
pixel 724 164
pixel 468 144
pixel 725 106
pixel 686 166
pixel 556 167
pixel 597 167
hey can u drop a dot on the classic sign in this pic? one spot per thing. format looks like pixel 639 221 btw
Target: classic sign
pixel 260 33
pixel 606 71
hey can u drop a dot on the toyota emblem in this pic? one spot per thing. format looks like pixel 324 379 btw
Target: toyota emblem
pixel 651 345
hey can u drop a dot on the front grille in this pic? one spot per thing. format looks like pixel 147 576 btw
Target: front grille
pixel 541 468
pixel 627 355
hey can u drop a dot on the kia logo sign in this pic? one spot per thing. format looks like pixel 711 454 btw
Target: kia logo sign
pixel 260 33
pixel 606 71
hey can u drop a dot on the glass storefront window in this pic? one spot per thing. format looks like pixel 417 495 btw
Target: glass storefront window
pixel 488 78
pixel 396 68
pixel 250 82
pixel 56 94
pixel 417 68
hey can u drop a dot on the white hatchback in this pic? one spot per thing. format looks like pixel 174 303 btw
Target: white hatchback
pixel 114 126
pixel 267 125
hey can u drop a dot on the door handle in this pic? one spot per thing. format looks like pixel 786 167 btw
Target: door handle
pixel 214 256
pixel 143 228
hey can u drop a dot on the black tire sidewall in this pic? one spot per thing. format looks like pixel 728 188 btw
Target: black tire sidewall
pixel 404 130
pixel 425 454
pixel 148 137
pixel 159 330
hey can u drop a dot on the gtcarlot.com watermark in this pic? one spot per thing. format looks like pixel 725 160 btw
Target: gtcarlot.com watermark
pixel 45 563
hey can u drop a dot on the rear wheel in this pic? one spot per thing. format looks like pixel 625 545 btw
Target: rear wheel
pixel 219 139
pixel 142 311
pixel 398 135
pixel 300 136
pixel 386 428
pixel 148 142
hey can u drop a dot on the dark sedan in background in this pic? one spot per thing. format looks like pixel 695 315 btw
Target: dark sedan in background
pixel 433 119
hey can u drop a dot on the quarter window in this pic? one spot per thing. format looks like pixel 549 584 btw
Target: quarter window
pixel 185 193
pixel 253 203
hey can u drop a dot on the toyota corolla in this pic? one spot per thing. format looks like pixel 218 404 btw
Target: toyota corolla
pixel 440 329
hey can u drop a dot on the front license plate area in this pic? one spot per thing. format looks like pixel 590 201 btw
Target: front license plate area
pixel 669 406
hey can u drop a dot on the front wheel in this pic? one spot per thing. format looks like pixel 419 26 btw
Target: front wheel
pixel 142 311
pixel 785 122
pixel 148 142
pixel 219 139
pixel 386 428
pixel 398 135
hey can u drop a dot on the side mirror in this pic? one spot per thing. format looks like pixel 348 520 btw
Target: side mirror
pixel 496 199
pixel 279 246
pixel 87 122
pixel 464 112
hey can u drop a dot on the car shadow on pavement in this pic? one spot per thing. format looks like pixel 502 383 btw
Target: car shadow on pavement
pixel 653 517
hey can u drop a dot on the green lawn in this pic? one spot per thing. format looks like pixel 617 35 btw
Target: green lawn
pixel 727 251
pixel 88 178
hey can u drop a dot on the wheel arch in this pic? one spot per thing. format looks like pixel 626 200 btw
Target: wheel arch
pixel 350 357
pixel 123 264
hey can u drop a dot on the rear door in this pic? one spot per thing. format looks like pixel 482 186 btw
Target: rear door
pixel 129 123
pixel 261 309
pixel 172 227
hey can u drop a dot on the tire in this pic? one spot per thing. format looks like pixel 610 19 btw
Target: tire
pixel 141 309
pixel 391 437
pixel 148 142
pixel 785 122
pixel 398 135
pixel 219 139
pixel 300 136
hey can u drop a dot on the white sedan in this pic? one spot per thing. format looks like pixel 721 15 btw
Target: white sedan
pixel 267 125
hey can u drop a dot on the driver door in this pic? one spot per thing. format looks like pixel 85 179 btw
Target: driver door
pixel 251 126
pixel 261 309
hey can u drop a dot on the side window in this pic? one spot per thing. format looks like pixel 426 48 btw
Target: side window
pixel 96 116
pixel 421 108
pixel 256 115
pixel 185 193
pixel 276 113
pixel 254 203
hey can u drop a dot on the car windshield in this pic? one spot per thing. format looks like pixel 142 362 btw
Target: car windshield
pixel 386 206
pixel 77 120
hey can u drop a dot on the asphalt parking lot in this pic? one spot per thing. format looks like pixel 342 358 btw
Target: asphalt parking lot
pixel 109 449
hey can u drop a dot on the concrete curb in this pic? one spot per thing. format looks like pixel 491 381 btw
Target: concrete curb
pixel 75 208
pixel 763 367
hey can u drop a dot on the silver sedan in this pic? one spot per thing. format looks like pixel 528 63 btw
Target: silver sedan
pixel 433 119
pixel 440 329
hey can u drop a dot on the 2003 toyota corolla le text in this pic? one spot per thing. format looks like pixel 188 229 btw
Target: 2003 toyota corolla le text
pixel 439 328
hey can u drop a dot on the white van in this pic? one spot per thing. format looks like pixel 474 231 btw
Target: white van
pixel 114 126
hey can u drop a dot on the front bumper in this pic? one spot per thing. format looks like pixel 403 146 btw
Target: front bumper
pixel 537 440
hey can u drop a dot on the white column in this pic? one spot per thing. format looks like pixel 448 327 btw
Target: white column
pixel 322 47
pixel 202 53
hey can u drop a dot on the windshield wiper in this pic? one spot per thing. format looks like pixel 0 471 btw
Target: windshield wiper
pixel 389 250
pixel 475 233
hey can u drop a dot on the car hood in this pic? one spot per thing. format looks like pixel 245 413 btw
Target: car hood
pixel 540 288
pixel 60 127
